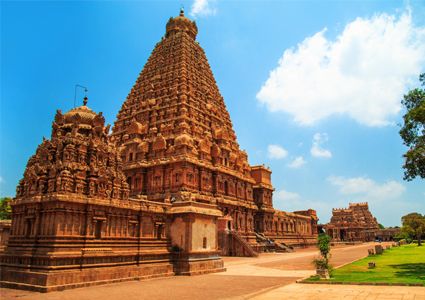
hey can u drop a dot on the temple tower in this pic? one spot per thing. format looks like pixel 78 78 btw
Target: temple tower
pixel 166 193
pixel 73 223
pixel 355 223
pixel 175 135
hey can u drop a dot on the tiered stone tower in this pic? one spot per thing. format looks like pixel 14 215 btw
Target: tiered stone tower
pixel 355 223
pixel 174 132
pixel 78 160
pixel 177 142
pixel 165 194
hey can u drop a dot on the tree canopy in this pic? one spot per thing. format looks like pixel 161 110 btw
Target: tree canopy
pixel 5 209
pixel 413 132
pixel 323 243
pixel 414 225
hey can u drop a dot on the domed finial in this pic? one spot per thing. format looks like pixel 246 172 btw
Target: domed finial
pixel 85 100
pixel 181 24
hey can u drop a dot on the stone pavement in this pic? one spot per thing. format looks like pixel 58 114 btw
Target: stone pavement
pixel 270 276
pixel 299 291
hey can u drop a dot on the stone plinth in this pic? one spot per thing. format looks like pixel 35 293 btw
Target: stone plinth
pixel 193 233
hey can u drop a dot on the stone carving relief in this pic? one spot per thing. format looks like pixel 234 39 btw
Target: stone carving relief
pixel 78 159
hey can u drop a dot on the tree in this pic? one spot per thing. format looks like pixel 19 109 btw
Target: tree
pixel 414 225
pixel 323 243
pixel 413 132
pixel 5 209
pixel 381 226
pixel 322 263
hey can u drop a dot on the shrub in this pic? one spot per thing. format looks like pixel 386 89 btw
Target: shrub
pixel 322 263
pixel 5 209
pixel 323 242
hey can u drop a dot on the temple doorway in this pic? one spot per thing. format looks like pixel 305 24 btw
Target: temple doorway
pixel 98 230
pixel 342 234
pixel 159 231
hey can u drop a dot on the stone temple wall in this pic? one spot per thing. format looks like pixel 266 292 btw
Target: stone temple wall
pixel 148 199
pixel 354 224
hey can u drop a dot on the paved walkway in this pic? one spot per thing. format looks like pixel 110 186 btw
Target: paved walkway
pixel 299 291
pixel 270 276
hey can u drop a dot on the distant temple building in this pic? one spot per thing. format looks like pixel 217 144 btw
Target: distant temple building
pixel 355 223
pixel 166 193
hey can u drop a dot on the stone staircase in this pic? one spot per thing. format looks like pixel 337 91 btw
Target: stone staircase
pixel 233 244
pixel 272 246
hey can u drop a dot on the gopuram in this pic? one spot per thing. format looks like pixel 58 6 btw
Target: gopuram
pixel 353 224
pixel 166 193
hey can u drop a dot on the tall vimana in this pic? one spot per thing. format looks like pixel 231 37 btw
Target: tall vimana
pixel 168 192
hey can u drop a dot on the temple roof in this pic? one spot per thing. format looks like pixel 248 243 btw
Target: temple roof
pixel 181 24
pixel 78 160
pixel 83 113
pixel 176 97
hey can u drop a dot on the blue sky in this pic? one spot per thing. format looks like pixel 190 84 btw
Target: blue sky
pixel 312 87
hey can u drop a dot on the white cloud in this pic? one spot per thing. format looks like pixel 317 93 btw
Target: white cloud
pixel 298 162
pixel 387 201
pixel 363 73
pixel 284 196
pixel 276 152
pixel 202 8
pixel 316 149
pixel 292 201
pixel 367 188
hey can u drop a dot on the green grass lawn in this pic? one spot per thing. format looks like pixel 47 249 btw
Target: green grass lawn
pixel 405 264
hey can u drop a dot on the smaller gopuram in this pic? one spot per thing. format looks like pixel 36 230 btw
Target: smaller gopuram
pixel 353 224
pixel 73 223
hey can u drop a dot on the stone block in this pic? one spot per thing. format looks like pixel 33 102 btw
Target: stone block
pixel 379 249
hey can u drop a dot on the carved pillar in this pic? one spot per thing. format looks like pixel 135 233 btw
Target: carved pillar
pixel 200 172
pixel 214 183
pixel 163 178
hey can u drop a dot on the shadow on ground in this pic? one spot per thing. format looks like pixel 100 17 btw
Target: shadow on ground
pixel 416 271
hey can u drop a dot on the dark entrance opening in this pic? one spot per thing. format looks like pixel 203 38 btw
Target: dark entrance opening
pixel 342 234
pixel 159 232
pixel 98 230
pixel 28 228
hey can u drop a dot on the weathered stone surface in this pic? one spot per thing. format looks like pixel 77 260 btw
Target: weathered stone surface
pixel 176 139
pixel 379 249
pixel 78 160
pixel 151 198
pixel 355 223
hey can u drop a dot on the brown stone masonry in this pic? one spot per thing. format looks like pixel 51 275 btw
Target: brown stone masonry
pixel 355 223
pixel 165 193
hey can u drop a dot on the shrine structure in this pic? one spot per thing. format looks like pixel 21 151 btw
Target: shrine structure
pixel 166 193
pixel 353 224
